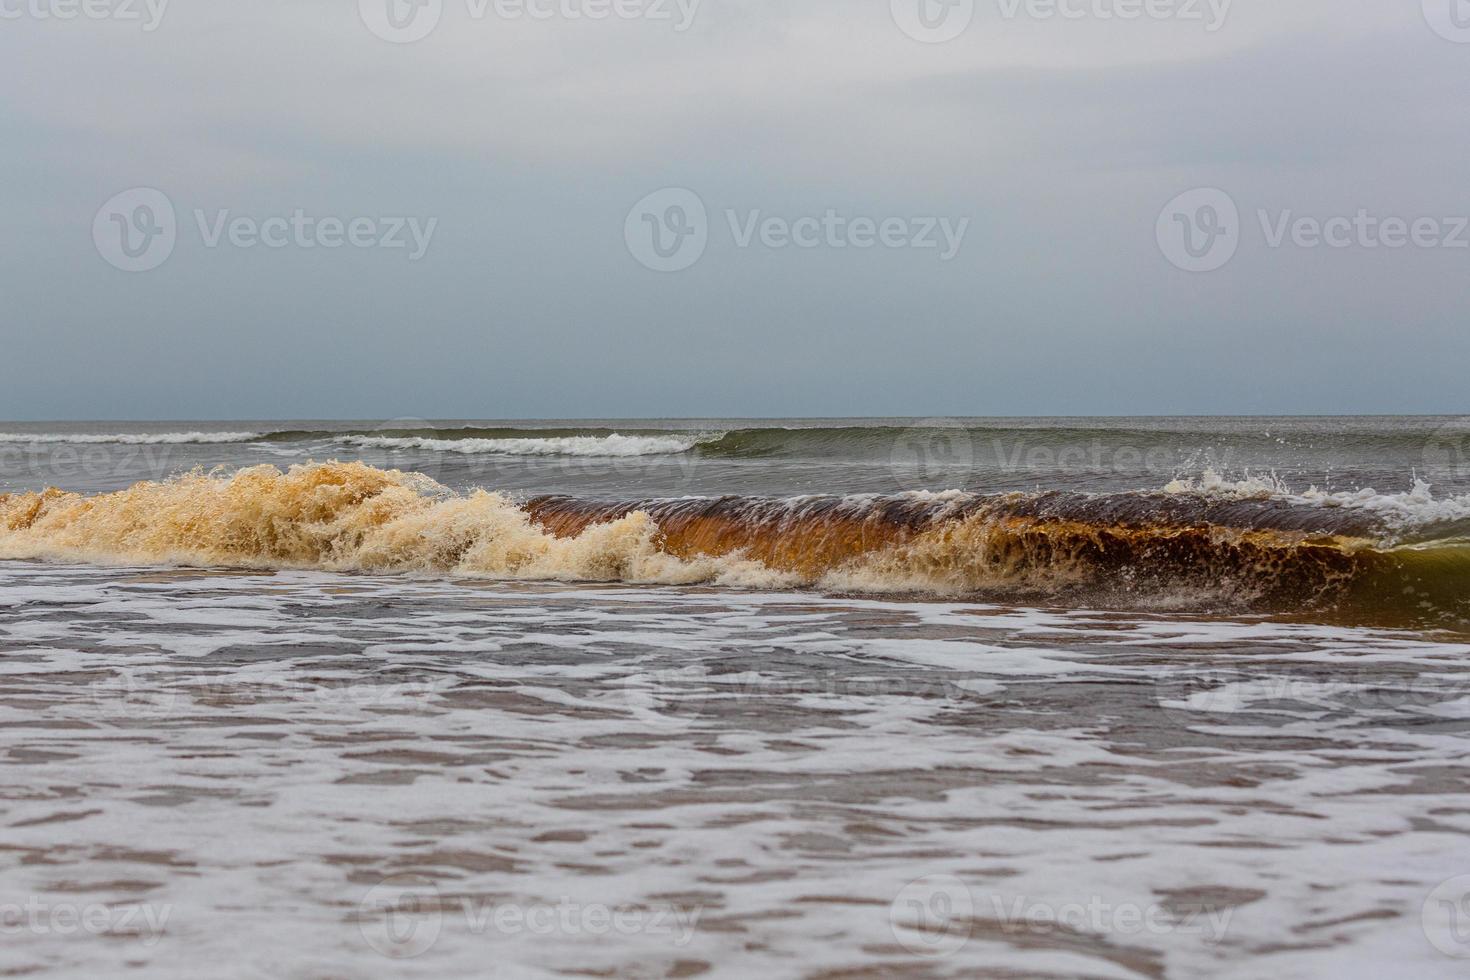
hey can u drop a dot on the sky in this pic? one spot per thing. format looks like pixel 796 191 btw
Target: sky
pixel 753 208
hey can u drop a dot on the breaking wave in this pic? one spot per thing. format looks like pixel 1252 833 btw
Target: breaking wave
pixel 1245 549
pixel 128 438
pixel 608 446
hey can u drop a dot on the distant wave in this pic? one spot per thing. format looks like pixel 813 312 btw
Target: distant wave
pixel 1368 558
pixel 875 442
pixel 1189 445
pixel 613 445
pixel 531 442
pixel 128 438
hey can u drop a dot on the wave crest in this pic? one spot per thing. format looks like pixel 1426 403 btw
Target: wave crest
pixel 128 438
pixel 609 446
pixel 1122 549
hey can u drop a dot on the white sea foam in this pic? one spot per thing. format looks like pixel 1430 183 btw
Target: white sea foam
pixel 805 766
pixel 1215 484
pixel 126 438
pixel 614 445
pixel 1414 508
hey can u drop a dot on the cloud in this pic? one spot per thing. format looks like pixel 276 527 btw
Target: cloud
pixel 530 140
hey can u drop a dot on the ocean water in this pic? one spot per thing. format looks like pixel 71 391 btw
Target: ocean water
pixel 660 458
pixel 1031 698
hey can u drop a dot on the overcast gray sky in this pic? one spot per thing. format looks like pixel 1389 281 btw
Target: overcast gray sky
pixel 1047 146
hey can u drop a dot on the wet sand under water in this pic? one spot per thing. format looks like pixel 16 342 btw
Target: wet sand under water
pixel 303 774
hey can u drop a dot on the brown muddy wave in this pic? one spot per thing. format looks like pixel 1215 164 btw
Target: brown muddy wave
pixel 1179 550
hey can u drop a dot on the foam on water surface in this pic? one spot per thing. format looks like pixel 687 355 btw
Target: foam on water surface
pixel 321 774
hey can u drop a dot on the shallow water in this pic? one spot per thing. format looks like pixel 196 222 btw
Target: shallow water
pixel 303 774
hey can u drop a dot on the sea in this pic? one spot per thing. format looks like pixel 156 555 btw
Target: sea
pixel 945 697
